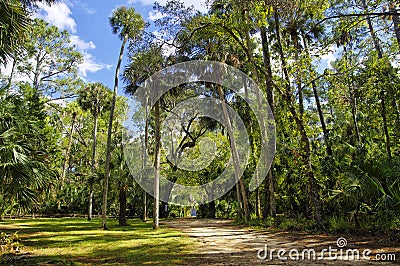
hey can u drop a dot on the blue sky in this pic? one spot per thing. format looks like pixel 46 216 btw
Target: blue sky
pixel 87 22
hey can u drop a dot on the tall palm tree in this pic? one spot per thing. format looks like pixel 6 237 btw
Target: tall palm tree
pixel 94 98
pixel 128 25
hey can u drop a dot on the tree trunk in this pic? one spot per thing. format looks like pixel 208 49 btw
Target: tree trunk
pixel 144 214
pixel 122 204
pixel 237 185
pixel 258 203
pixel 36 73
pixel 144 161
pixel 378 48
pixel 385 126
pixel 109 133
pixel 91 178
pixel 12 72
pixel 305 143
pixel 157 151
pixel 270 191
pixel 396 21
pixel 265 48
pixel 236 163
pixel 66 158
pixel 353 99
pixel 372 31
pixel 319 107
pixel 67 152
pixel 295 41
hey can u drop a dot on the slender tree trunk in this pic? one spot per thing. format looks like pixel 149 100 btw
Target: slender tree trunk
pixel 265 47
pixel 66 159
pixel 305 143
pixel 385 125
pixel 12 72
pixel 319 107
pixel 236 163
pixel 295 41
pixel 144 159
pixel 91 178
pixel 258 203
pixel 36 73
pixel 144 215
pixel 353 99
pixel 372 31
pixel 237 186
pixel 267 64
pixel 378 48
pixel 109 133
pixel 270 191
pixel 122 204
pixel 157 151
pixel 240 202
pixel 396 21
pixel 67 152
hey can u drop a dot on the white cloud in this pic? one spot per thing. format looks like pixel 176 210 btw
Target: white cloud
pixel 80 44
pixel 154 15
pixel 59 15
pixel 198 4
pixel 89 61
pixel 90 65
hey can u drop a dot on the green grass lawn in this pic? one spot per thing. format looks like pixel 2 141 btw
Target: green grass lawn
pixel 72 241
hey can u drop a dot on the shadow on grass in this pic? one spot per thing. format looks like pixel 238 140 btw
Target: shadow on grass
pixel 70 241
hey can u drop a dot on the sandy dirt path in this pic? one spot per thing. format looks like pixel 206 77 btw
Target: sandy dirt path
pixel 222 243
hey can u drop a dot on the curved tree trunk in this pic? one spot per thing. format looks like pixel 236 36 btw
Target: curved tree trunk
pixel 305 143
pixel 236 164
pixel 109 133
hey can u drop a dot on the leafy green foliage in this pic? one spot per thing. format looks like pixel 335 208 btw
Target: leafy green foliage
pixel 24 166
pixel 14 24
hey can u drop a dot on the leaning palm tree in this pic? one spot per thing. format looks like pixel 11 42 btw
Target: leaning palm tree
pixel 128 25
pixel 94 98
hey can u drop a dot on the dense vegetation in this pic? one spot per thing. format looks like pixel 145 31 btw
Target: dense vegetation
pixel 337 162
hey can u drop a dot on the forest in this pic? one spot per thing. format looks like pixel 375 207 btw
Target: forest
pixel 329 70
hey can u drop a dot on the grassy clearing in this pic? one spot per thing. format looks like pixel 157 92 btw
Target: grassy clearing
pixel 71 241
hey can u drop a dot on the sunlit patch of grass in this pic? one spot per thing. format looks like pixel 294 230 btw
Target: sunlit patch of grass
pixel 72 241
